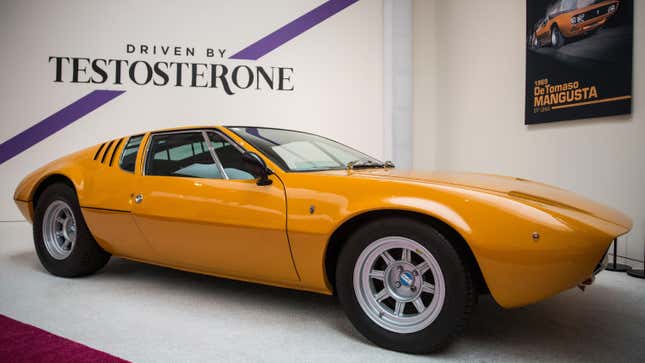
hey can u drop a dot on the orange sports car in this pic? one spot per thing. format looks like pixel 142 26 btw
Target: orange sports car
pixel 570 20
pixel 406 253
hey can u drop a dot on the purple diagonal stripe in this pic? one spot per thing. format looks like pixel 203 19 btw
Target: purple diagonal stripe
pixel 55 122
pixel 292 30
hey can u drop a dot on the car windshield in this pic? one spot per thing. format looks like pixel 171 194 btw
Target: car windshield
pixel 301 151
pixel 561 6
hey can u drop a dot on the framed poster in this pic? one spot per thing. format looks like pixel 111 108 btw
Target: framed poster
pixel 578 59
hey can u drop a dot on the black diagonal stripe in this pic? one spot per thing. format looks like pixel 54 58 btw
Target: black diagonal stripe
pixel 114 151
pixel 107 149
pixel 99 151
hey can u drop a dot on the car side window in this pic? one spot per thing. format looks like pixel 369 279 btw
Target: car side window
pixel 230 158
pixel 182 154
pixel 129 154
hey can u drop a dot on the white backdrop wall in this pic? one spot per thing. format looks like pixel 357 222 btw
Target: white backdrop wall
pixel 469 64
pixel 337 72
pixel 397 82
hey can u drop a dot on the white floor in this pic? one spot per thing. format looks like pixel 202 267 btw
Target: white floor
pixel 150 314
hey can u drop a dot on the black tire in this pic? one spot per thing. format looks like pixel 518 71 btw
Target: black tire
pixel 459 292
pixel 535 42
pixel 86 256
pixel 557 39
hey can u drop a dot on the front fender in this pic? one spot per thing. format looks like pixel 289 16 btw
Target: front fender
pixel 316 208
pixel 71 168
pixel 517 268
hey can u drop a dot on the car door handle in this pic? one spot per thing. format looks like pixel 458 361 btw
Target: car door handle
pixel 138 199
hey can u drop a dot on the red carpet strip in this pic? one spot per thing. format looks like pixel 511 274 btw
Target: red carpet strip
pixel 25 343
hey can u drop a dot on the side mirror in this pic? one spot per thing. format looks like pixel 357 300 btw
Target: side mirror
pixel 258 167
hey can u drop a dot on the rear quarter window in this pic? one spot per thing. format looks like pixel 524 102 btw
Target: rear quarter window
pixel 129 155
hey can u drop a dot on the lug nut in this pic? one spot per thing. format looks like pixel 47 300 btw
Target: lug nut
pixel 415 273
pixel 397 284
pixel 400 268
pixel 413 288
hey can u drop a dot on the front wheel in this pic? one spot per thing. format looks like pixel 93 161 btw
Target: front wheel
pixel 63 241
pixel 403 285
pixel 557 40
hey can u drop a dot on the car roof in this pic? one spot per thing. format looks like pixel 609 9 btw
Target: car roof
pixel 193 127
pixel 180 128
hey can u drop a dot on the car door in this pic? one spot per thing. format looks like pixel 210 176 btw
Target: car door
pixel 202 210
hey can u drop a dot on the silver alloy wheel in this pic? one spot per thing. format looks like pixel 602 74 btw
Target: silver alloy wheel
pixel 59 230
pixel 402 295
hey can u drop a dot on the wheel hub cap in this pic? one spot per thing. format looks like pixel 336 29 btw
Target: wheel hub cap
pixel 406 279
pixel 401 281
pixel 59 230
pixel 399 284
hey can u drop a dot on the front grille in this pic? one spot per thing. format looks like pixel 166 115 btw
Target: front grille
pixel 594 13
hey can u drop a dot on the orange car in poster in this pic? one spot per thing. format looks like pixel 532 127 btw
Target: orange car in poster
pixel 570 20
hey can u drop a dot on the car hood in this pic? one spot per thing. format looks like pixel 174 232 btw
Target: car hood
pixel 516 188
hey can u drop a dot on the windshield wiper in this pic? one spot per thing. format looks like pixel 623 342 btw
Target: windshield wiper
pixel 368 163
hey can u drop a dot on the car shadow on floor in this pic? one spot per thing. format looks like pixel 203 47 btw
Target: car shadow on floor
pixel 280 300
pixel 28 259
pixel 572 326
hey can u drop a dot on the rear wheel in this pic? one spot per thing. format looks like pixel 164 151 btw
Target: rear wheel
pixel 63 242
pixel 404 286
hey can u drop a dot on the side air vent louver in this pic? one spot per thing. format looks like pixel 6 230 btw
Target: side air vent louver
pixel 107 150
pixel 114 151
pixel 98 151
